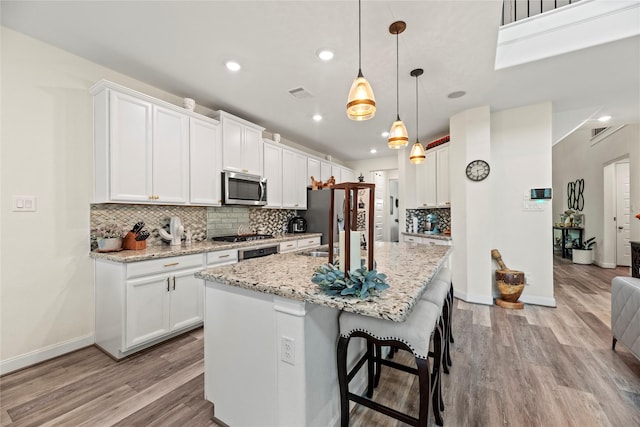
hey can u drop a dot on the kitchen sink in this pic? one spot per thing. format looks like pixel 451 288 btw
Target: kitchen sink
pixel 318 252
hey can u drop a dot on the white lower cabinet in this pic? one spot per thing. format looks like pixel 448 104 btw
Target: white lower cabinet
pixel 412 239
pixel 308 242
pixel 294 245
pixel 141 303
pixel 288 246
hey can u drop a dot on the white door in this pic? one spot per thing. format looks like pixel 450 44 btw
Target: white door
pixel 623 248
pixel 252 151
pixel 130 148
pixel 147 309
pixel 170 156
pixel 394 219
pixel 206 163
pixel 379 180
pixel 187 296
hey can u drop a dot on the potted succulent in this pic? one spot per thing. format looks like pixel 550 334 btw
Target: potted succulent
pixel 109 237
pixel 583 254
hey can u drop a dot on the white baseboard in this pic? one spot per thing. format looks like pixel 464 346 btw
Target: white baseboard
pixel 605 264
pixel 535 300
pixel 46 353
pixel 471 298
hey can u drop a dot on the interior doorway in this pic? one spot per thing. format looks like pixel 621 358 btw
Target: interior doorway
pixel 394 220
pixel 616 249
pixel 386 219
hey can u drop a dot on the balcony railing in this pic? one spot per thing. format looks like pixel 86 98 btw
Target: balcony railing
pixel 515 10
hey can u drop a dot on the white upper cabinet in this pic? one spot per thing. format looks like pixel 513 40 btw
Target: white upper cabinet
pixel 294 180
pixel 313 170
pixel 242 146
pixel 206 163
pixel 336 172
pixel 142 149
pixel 170 153
pixel 325 171
pixel 432 179
pixel 273 174
pixel 348 175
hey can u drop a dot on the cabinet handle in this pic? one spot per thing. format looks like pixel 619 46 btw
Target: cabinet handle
pixel 171 264
pixel 223 256
pixel 168 285
pixel 296 205
pixel 245 170
pixel 174 283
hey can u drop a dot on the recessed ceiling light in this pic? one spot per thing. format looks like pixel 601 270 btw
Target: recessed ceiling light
pixel 384 134
pixel 317 117
pixel 604 118
pixel 456 94
pixel 373 151
pixel 232 66
pixel 325 54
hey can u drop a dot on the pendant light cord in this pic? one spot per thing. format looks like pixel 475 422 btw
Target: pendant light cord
pixel 417 139
pixel 397 78
pixel 359 37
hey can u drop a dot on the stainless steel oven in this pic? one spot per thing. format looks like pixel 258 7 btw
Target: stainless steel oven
pixel 248 253
pixel 243 189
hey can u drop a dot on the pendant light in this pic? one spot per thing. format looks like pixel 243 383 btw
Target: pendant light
pixel 417 151
pixel 361 104
pixel 398 135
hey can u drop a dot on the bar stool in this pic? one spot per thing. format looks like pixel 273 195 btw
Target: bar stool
pixel 440 293
pixel 413 335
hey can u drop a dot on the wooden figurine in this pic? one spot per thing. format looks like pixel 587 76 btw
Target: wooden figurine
pixel 315 185
pixel 330 182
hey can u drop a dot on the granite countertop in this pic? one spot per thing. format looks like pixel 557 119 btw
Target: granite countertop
pixel 438 236
pixel 409 268
pixel 165 251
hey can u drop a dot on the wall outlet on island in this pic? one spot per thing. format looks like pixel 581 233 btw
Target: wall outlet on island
pixel 288 350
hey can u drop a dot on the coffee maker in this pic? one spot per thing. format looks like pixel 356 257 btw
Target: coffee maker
pixel 431 224
pixel 297 224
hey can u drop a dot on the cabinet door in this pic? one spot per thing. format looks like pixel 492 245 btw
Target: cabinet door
pixel 170 156
pixel 412 239
pixel 348 175
pixel 294 180
pixel 442 189
pixel 205 153
pixel 336 171
pixel 325 171
pixel 313 170
pixel 187 296
pixel 301 177
pixel 147 310
pixel 252 151
pixel 426 182
pixel 273 174
pixel 130 148
pixel 232 145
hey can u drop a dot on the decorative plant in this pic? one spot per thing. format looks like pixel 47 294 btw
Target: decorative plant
pixel 587 244
pixel 361 282
pixel 109 231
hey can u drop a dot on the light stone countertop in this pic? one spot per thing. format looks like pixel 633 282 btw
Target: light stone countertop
pixel 438 236
pixel 165 251
pixel 409 268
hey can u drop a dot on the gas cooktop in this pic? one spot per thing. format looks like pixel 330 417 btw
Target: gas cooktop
pixel 242 237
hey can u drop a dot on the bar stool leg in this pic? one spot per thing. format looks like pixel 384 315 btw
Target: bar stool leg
pixel 343 344
pixel 378 356
pixel 425 386
pixel 437 403
pixel 446 314
pixel 371 365
pixel 451 313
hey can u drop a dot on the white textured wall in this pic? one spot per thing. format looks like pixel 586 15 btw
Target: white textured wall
pixel 575 158
pixel 46 296
pixel 520 160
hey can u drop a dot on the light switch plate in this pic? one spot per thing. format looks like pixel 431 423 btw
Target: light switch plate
pixel 23 204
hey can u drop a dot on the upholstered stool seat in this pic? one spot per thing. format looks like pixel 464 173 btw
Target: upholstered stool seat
pixel 414 335
pixel 440 292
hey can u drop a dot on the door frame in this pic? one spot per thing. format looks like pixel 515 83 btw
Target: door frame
pixel 607 250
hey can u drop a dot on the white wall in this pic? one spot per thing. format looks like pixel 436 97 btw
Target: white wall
pixel 376 163
pixel 46 296
pixel 521 141
pixel 470 206
pixel 575 158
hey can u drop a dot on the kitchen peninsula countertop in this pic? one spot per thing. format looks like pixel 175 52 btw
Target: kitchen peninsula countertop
pixel 409 268
pixel 165 251
pixel 438 236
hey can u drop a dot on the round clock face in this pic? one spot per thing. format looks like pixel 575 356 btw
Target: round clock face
pixel 477 170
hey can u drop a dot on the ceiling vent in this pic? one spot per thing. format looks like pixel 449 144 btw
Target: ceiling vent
pixel 300 93
pixel 597 131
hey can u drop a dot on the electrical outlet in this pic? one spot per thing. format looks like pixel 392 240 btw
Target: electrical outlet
pixel 528 279
pixel 288 350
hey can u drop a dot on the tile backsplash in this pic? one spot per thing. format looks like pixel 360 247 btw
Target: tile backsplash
pixel 444 218
pixel 270 221
pixel 193 218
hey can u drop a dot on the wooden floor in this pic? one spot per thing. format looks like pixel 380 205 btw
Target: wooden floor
pixel 533 367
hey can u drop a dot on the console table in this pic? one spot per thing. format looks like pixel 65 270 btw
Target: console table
pixel 567 236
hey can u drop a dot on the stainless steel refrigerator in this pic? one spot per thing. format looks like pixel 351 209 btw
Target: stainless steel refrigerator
pixel 317 213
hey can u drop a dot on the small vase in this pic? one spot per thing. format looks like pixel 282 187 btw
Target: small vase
pixel 110 244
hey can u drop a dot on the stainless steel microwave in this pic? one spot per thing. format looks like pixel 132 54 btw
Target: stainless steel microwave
pixel 243 189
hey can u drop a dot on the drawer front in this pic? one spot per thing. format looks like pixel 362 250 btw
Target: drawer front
pixel 309 243
pixel 440 242
pixel 413 239
pixel 218 257
pixel 163 265
pixel 288 246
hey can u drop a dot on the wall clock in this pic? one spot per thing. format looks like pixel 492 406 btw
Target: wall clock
pixel 477 170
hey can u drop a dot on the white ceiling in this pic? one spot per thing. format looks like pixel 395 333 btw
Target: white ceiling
pixel 181 47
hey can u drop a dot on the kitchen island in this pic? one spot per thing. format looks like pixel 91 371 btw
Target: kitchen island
pixel 270 333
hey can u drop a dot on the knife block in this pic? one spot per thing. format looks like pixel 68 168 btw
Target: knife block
pixel 130 242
